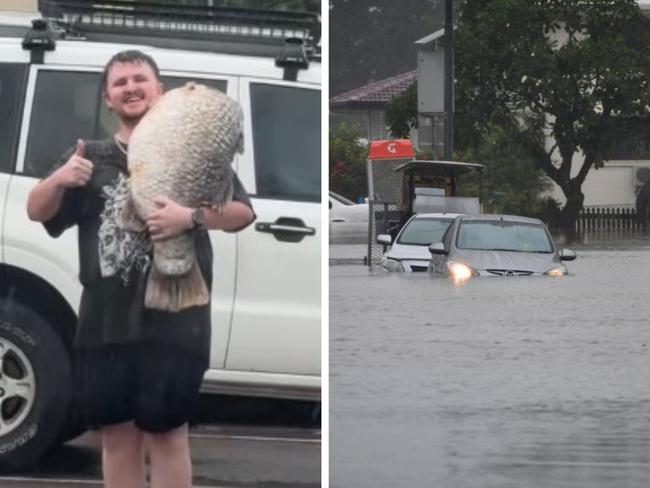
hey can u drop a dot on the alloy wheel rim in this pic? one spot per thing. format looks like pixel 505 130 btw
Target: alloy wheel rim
pixel 17 386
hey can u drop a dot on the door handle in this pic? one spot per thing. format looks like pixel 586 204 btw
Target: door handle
pixel 286 229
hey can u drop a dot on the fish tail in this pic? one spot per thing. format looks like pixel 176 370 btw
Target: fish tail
pixel 174 293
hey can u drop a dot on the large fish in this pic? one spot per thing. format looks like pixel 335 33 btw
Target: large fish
pixel 183 149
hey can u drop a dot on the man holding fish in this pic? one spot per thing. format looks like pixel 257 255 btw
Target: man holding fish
pixel 143 347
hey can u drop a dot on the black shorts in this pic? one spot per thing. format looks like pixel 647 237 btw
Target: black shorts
pixel 154 384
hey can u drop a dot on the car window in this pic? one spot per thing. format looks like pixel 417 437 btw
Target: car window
pixel 68 105
pixel 12 84
pixel 506 236
pixel 286 135
pixel 422 232
pixel 341 199
pixel 65 109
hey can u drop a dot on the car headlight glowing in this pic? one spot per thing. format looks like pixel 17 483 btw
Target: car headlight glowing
pixel 557 271
pixel 392 265
pixel 460 271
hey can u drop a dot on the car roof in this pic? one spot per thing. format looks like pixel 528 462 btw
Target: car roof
pixel 436 216
pixel 500 217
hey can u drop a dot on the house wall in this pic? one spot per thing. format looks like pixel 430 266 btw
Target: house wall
pixel 19 5
pixel 371 123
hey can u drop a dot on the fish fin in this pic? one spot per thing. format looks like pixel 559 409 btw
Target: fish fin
pixel 174 293
pixel 130 218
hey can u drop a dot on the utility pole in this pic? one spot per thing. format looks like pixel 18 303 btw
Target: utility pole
pixel 449 79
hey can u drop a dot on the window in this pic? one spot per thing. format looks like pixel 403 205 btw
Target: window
pixel 503 236
pixel 68 105
pixel 422 232
pixel 12 85
pixel 286 135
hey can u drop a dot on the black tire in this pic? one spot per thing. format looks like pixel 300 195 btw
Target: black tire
pixel 31 419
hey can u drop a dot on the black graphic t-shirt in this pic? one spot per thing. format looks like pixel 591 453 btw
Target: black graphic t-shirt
pixel 112 308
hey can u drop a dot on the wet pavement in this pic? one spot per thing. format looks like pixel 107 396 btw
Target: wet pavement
pixel 274 452
pixel 501 382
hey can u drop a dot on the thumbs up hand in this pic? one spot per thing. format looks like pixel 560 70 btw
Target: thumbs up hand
pixel 77 170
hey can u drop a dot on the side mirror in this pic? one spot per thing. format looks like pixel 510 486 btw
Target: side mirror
pixel 330 205
pixel 437 248
pixel 384 239
pixel 567 255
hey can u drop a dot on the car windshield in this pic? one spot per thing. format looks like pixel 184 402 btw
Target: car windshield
pixel 424 231
pixel 341 199
pixel 503 236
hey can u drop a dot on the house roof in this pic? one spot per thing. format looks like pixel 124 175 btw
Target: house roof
pixel 379 92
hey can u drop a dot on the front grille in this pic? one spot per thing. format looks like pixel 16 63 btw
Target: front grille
pixel 509 272
pixel 419 268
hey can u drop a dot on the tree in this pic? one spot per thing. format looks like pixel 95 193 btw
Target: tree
pixel 347 163
pixel 402 112
pixel 577 71
pixel 512 183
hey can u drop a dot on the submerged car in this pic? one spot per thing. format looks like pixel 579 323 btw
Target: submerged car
pixel 410 250
pixel 348 221
pixel 498 245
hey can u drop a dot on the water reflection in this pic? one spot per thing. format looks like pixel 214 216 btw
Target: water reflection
pixel 502 382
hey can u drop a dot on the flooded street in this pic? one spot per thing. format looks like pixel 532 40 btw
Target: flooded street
pixel 501 382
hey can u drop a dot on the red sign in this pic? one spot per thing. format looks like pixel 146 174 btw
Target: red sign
pixel 395 149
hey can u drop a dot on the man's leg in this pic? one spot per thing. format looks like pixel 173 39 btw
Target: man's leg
pixel 169 456
pixel 122 455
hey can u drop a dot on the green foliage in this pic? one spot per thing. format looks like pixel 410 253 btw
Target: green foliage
pixel 512 183
pixel 574 69
pixel 347 162
pixel 402 113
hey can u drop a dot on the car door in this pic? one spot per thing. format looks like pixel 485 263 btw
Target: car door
pixel 12 86
pixel 276 320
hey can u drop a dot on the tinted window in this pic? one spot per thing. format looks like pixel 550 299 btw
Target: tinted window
pixel 65 109
pixel 422 232
pixel 286 135
pixel 503 236
pixel 12 84
pixel 67 106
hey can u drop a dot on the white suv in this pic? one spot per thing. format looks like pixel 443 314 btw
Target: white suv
pixel 266 305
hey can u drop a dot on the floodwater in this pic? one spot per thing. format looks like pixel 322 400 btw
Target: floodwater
pixel 501 382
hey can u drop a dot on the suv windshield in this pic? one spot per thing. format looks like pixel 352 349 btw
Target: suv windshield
pixel 503 236
pixel 425 231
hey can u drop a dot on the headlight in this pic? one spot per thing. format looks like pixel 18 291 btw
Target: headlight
pixel 558 271
pixel 460 271
pixel 392 265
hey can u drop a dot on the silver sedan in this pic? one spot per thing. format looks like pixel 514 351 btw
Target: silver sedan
pixel 498 245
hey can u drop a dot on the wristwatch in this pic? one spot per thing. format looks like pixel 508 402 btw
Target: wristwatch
pixel 198 218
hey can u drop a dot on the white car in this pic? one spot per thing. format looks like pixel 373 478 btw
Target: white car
pixel 266 306
pixel 348 220
pixel 410 250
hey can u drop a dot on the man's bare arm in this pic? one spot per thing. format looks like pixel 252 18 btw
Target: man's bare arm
pixel 45 199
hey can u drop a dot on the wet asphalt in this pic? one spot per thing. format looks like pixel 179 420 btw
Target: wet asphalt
pixel 248 443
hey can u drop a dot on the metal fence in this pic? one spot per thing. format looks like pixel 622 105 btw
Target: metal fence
pixel 604 220
pixel 384 186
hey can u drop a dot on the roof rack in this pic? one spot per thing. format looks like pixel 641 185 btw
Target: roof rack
pixel 164 24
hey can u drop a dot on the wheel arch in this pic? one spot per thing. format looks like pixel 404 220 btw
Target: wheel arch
pixel 40 296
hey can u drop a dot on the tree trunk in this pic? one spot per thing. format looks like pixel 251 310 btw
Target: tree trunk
pixel 574 201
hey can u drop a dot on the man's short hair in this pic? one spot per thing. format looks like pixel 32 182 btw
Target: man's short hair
pixel 130 56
